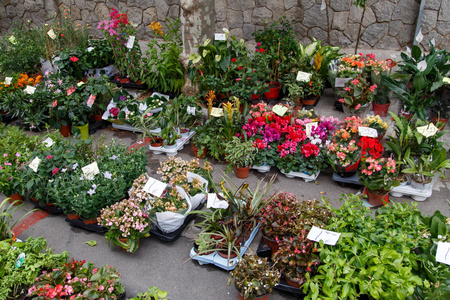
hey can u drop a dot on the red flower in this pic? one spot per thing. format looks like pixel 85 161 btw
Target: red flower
pixel 310 149
pixel 62 35
pixel 390 63
pixel 74 59
pixel 233 59
pixel 49 157
pixel 55 171
pixel 240 68
pixel 261 50
pixel 114 111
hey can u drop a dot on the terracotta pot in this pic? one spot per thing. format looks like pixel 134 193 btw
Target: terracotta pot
pixel 376 199
pixel 66 130
pixel 157 142
pixel 199 155
pixel 271 243
pixel 347 171
pixel 124 80
pixel 124 240
pixel 15 197
pixel 205 253
pixel 90 221
pixel 97 118
pixel 435 120
pixel 139 82
pixel 265 297
pixel 73 216
pixel 380 109
pixel 242 172
pixel 292 282
pixel 224 254
pixel 274 90
pixel 311 101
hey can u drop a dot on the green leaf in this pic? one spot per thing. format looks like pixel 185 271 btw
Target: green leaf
pixel 91 243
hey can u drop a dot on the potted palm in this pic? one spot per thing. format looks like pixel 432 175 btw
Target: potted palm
pixel 254 278
pixel 240 154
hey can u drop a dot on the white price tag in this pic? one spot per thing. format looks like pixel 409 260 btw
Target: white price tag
pixel 214 202
pixel 130 41
pixel 91 170
pixel 154 187
pixel 308 128
pixel 35 164
pixel 367 131
pixel 303 76
pixel 8 80
pixel 220 37
pixel 328 237
pixel 340 82
pixel 89 49
pixel 217 112
pixel 443 253
pixel 279 110
pixel 29 90
pixel 191 110
pixel 428 130
pixel 48 142
pixel 51 34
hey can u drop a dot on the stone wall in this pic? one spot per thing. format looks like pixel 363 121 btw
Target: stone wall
pixel 387 24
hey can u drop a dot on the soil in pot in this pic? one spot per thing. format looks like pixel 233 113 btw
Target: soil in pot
pixel 157 142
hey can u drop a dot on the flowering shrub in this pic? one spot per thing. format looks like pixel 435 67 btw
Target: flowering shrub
pixel 351 124
pixel 77 280
pixel 296 257
pixel 378 174
pixel 350 66
pixel 125 220
pixel 259 109
pixel 358 94
pixel 254 277
pixel 174 170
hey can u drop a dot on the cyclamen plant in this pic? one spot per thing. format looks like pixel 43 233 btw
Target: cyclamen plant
pixel 125 220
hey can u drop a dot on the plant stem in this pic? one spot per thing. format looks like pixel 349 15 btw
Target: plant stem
pixel 359 31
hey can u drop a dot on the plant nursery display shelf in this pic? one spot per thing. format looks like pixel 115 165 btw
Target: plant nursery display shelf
pixel 173 236
pixel 131 128
pixel 304 176
pixel 223 263
pixel 172 151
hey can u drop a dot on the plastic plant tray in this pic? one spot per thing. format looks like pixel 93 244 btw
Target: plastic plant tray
pixel 173 236
pixel 174 151
pixel 264 251
pixel 304 176
pixel 93 127
pixel 261 169
pixel 346 180
pixel 53 210
pixel 216 259
pixel 90 227
pixel 415 194
pixel 131 128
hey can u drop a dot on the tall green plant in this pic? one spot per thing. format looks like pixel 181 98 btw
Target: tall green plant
pixel 7 218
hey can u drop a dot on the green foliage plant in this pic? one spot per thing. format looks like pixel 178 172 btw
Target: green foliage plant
pixel 153 293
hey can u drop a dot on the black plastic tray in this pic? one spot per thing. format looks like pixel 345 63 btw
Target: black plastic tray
pixel 264 251
pixel 53 210
pixel 91 227
pixel 94 126
pixel 173 236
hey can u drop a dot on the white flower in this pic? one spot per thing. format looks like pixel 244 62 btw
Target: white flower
pixel 113 157
pixel 422 66
pixel 75 165
pixel 91 192
pixel 107 175
pixel 63 170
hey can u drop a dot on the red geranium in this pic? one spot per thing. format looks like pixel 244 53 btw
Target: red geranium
pixel 233 59
pixel 371 147
pixel 74 59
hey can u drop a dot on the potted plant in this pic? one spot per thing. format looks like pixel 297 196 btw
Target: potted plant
pixel 254 278
pixel 381 100
pixel 376 123
pixel 296 257
pixel 358 94
pixel 147 122
pixel 344 154
pixel 153 293
pixel 422 169
pixel 240 154
pixel 126 224
pixel 441 109
pixel 201 140
pixel 65 280
pixel 378 177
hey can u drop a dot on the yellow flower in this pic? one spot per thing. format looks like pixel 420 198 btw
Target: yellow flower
pixel 228 107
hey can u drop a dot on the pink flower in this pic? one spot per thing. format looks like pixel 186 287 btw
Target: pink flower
pixel 49 156
pixel 114 111
pixel 355 81
pixel 55 171
pixel 5 155
pixel 70 91
pixel 347 89
pixel 373 87
pixel 358 106
pixel 341 100
pixel 258 44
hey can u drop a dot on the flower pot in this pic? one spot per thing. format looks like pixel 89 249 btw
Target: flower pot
pixel 224 254
pixel 242 172
pixel 443 122
pixel 124 80
pixel 84 131
pixel 139 82
pixel 376 199
pixel 271 243
pixel 66 130
pixel 198 155
pixel 311 101
pixel 421 186
pixel 73 216
pixel 15 197
pixel 265 297
pixel 90 221
pixel 380 109
pixel 157 142
pixel 97 118
pixel 347 171
pixel 171 147
pixel 293 282
pixel 274 90
pixel 362 111
pixel 124 240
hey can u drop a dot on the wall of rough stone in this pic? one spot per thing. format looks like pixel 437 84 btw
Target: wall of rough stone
pixel 387 24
